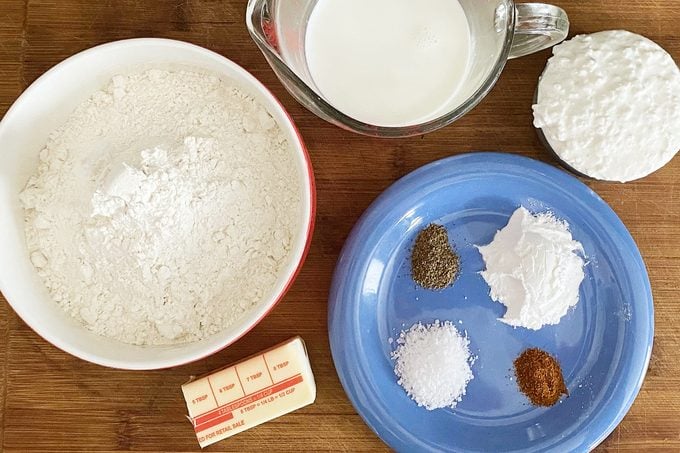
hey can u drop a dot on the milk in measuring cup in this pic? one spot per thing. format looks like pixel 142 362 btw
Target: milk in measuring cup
pixel 388 62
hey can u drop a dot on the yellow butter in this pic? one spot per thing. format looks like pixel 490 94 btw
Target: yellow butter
pixel 251 392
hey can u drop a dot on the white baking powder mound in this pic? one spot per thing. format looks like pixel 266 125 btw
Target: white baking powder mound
pixel 534 268
pixel 609 105
pixel 164 208
pixel 433 364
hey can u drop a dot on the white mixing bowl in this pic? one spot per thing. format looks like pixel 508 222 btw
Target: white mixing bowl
pixel 43 107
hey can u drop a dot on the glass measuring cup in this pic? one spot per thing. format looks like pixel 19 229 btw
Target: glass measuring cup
pixel 500 30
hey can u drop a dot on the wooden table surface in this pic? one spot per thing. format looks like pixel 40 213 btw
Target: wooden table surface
pixel 53 402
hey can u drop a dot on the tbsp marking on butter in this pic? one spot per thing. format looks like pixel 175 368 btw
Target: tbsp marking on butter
pixel 253 391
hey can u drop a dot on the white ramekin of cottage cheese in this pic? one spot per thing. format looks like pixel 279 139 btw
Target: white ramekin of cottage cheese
pixel 608 105
pixel 24 131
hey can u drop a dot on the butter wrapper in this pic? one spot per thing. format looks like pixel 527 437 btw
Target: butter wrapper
pixel 253 391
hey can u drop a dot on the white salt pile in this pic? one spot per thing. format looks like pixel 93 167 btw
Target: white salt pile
pixel 433 364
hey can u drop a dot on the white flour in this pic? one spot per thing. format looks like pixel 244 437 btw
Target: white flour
pixel 533 269
pixel 164 208
pixel 609 105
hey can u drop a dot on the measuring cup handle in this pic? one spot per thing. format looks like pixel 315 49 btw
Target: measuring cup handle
pixel 537 27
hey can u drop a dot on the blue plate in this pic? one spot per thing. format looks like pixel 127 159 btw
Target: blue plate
pixel 603 344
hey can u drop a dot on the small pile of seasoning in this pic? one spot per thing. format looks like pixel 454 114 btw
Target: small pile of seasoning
pixel 433 364
pixel 434 264
pixel 539 377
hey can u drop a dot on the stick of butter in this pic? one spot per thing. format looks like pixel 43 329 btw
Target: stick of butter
pixel 251 392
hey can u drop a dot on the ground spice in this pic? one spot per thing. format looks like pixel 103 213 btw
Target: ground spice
pixel 539 377
pixel 434 264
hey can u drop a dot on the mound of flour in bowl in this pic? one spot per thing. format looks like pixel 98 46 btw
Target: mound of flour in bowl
pixel 164 208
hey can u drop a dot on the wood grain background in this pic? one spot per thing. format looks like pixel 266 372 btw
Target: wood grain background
pixel 53 402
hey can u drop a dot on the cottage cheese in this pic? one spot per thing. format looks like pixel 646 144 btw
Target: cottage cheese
pixel 609 105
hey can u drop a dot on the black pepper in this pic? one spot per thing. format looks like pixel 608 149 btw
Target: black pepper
pixel 434 264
